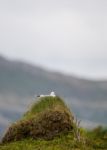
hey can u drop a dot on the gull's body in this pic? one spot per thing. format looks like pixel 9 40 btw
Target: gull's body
pixel 51 94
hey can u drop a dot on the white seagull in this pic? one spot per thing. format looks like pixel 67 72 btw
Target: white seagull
pixel 51 94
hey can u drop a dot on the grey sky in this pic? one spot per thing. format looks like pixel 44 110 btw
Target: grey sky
pixel 67 35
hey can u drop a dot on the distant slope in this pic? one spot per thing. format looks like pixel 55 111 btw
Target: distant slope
pixel 24 80
pixel 19 82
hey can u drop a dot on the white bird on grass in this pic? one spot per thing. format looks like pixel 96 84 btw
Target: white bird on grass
pixel 51 94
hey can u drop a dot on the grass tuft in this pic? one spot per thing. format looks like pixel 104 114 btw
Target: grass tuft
pixel 46 119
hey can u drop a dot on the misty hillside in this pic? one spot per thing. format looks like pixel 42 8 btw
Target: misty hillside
pixel 19 82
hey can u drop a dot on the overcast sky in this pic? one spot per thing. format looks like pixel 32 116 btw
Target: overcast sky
pixel 66 35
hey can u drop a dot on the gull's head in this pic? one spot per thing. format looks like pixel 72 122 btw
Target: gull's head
pixel 52 94
pixel 40 95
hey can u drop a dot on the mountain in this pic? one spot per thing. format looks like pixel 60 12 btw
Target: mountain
pixel 20 82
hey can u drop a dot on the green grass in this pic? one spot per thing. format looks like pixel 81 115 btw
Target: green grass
pixel 42 114
pixel 45 104
pixel 98 138
pixel 45 119
pixel 63 142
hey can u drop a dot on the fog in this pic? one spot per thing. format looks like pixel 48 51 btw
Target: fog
pixel 64 35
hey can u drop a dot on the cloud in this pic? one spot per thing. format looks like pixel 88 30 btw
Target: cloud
pixel 58 34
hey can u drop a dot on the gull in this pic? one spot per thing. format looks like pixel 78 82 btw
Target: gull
pixel 51 94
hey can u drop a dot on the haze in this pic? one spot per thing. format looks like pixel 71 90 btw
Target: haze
pixel 64 35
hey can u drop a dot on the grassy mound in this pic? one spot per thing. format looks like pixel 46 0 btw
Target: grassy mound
pixel 46 119
pixel 49 125
pixel 95 140
pixel 62 142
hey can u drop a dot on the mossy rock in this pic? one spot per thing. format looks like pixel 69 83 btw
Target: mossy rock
pixel 46 119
